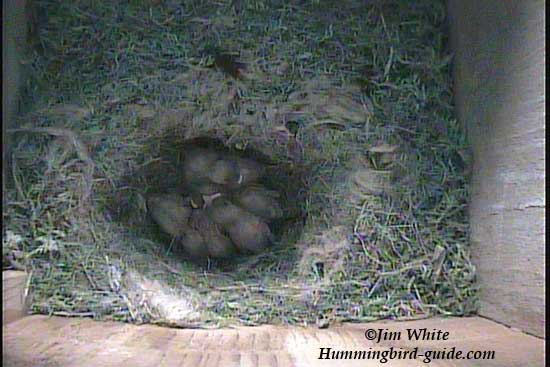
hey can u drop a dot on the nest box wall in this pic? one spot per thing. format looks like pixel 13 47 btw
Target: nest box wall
pixel 14 32
pixel 499 85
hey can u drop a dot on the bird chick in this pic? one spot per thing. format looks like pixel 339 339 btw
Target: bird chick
pixel 225 172
pixel 198 162
pixel 259 201
pixel 170 211
pixel 224 213
pixel 250 233
pixel 193 243
pixel 218 244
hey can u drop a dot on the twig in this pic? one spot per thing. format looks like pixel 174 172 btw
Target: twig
pixel 92 283
pixel 170 268
pixel 16 182
pixel 27 288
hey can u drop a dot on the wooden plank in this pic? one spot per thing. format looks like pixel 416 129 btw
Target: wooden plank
pixel 13 287
pixel 499 73
pixel 39 340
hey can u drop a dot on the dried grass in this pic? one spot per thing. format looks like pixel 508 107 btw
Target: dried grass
pixel 327 100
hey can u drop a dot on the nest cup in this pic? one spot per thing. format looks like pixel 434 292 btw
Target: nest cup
pixel 166 175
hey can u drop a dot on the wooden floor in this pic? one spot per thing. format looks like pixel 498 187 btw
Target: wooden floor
pixel 41 341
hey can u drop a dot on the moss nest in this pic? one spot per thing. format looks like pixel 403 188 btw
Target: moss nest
pixel 350 103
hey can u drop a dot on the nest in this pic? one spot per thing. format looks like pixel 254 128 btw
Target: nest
pixel 356 115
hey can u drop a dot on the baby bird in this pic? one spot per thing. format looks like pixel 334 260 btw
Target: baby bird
pixel 247 231
pixel 193 243
pixel 170 211
pixel 250 233
pixel 223 212
pixel 225 172
pixel 217 244
pixel 261 202
pixel 198 163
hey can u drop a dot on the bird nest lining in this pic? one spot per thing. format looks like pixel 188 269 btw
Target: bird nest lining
pixel 355 116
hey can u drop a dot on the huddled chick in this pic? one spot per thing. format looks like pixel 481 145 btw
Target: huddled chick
pixel 225 210
pixel 247 231
pixel 170 211
pixel 216 242
pixel 260 201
